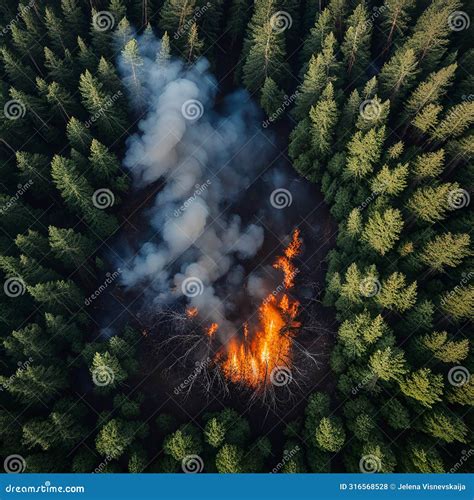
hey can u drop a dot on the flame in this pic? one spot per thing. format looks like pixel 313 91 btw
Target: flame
pixel 251 360
pixel 212 330
pixel 191 312
pixel 285 263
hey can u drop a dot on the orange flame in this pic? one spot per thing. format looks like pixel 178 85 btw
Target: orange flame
pixel 252 359
pixel 212 330
pixel 191 312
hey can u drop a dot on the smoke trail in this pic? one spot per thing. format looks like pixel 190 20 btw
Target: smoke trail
pixel 207 155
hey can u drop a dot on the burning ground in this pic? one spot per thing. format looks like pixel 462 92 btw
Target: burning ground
pixel 223 268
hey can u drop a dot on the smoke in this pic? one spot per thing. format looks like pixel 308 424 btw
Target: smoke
pixel 207 154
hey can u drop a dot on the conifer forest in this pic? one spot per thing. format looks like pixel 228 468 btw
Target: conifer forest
pixel 235 236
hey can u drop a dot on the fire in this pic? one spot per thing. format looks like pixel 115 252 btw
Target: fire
pixel 191 312
pixel 251 360
pixel 212 330
pixel 285 263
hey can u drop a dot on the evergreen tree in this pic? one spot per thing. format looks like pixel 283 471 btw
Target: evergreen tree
pixel 423 386
pixel 383 229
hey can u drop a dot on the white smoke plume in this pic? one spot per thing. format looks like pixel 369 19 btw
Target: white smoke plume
pixel 207 155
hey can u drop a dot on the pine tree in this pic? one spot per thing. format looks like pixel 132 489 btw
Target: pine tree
pixel 430 34
pixel 214 432
pixel 322 69
pixel 33 244
pixel 164 53
pixel 174 14
pixel 356 44
pixel 445 426
pixel 398 74
pixel 110 119
pixel 272 98
pixel 114 437
pixel 364 151
pixel 230 460
pixel 430 204
pixel 423 386
pixel 388 364
pixel 74 17
pixel 359 332
pixel 446 250
pixel 383 229
pixel 395 18
pixel 457 120
pixel 185 441
pixel 266 59
pixel 390 181
pixel 34 167
pixel 330 435
pixel 430 91
pixel 36 383
pixel 459 302
pixel 78 135
pixel 71 248
pixel 395 294
pixel 57 296
pixel 447 351
pixel 134 62
pixel 314 41
pixel 104 163
pixel 61 38
pixel 194 45
pixel 429 165
pixel 324 117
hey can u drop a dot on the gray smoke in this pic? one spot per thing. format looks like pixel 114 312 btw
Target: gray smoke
pixel 206 155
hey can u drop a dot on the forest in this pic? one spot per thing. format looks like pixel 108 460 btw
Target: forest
pixel 235 236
